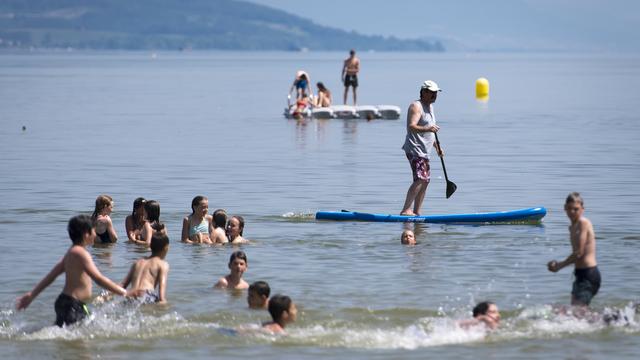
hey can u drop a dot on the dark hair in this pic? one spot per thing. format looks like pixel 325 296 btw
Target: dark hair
pixel 574 197
pixel 102 201
pixel 240 222
pixel 352 51
pixel 321 86
pixel 196 200
pixel 482 308
pixel 158 243
pixel 238 255
pixel 261 288
pixel 278 304
pixel 137 203
pixel 78 226
pixel 152 208
pixel 220 218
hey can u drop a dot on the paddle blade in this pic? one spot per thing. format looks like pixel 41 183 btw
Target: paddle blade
pixel 451 188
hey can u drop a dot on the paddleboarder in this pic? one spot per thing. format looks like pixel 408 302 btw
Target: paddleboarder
pixel 420 138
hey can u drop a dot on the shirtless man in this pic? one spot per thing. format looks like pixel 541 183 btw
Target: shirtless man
pixel 149 273
pixel 350 71
pixel 238 264
pixel 583 243
pixel 79 270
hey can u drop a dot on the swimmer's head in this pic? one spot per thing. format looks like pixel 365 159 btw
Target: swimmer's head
pixel 78 227
pixel 220 218
pixel 238 262
pixel 408 238
pixel 574 197
pixel 138 205
pixel 152 208
pixel 282 309
pixel 574 206
pixel 199 202
pixel 235 226
pixel 258 294
pixel 102 203
pixel 489 310
pixel 159 245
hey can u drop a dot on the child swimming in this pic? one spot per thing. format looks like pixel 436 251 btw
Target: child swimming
pixel 235 229
pixel 195 227
pixel 79 270
pixel 134 222
pixel 258 295
pixel 102 220
pixel 153 225
pixel 219 224
pixel 150 273
pixel 238 264
pixel 283 312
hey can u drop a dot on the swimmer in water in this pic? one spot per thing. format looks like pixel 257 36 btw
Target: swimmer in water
pixel 150 273
pixel 283 312
pixel 238 264
pixel 195 227
pixel 486 313
pixel 408 238
pixel 235 228
pixel 258 295
pixel 218 227
pixel 134 223
pixel 102 220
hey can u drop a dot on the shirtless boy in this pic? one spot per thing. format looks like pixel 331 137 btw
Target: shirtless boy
pixel 283 311
pixel 79 270
pixel 350 71
pixel 238 264
pixel 151 272
pixel 258 295
pixel 486 313
pixel 583 243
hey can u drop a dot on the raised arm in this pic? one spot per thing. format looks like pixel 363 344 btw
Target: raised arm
pixel 26 299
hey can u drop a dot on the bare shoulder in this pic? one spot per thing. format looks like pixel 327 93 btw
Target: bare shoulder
pixel 222 283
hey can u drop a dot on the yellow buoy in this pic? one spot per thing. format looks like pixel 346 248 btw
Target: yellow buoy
pixel 482 88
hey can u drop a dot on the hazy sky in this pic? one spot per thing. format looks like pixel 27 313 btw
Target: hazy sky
pixel 565 25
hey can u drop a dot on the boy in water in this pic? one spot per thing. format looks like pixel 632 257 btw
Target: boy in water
pixel 79 270
pixel 583 243
pixel 283 311
pixel 238 264
pixel 486 313
pixel 151 272
pixel 258 295
pixel 408 238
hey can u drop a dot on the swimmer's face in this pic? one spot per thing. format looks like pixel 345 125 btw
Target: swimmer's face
pixel 238 266
pixel 493 313
pixel 408 238
pixel 574 210
pixel 203 207
pixel 255 300
pixel 233 227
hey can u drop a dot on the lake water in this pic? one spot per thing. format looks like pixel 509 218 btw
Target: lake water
pixel 170 126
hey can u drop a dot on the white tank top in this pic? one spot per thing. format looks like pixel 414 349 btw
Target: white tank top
pixel 420 144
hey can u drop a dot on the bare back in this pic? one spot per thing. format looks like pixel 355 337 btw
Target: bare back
pixel 583 241
pixel 146 273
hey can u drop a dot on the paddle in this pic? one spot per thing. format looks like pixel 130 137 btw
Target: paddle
pixel 451 187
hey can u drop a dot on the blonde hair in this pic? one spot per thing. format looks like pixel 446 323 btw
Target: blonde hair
pixel 102 201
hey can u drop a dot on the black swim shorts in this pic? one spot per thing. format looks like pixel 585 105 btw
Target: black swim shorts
pixel 69 310
pixel 351 80
pixel 586 285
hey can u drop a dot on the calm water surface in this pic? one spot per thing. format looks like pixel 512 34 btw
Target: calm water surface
pixel 171 126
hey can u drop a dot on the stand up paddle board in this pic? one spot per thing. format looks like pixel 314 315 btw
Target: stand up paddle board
pixel 529 215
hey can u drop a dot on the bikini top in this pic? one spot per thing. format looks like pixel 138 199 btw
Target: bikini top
pixel 203 227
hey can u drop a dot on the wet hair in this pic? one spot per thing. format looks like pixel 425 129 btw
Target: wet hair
pixel 137 204
pixel 240 222
pixel 574 197
pixel 158 243
pixel 102 201
pixel 152 208
pixel 220 218
pixel 196 200
pixel 482 308
pixel 278 304
pixel 78 226
pixel 261 288
pixel 238 255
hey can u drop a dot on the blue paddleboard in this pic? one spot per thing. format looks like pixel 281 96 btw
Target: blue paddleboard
pixel 529 215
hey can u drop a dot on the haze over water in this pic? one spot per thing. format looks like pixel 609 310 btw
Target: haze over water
pixel 175 125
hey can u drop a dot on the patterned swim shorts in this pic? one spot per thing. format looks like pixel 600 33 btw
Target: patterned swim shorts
pixel 420 168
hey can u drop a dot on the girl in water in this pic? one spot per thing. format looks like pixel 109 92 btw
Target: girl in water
pixel 219 224
pixel 134 223
pixel 195 227
pixel 152 226
pixel 102 220
pixel 235 229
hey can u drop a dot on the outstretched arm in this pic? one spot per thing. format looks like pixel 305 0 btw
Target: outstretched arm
pixel 97 276
pixel 26 299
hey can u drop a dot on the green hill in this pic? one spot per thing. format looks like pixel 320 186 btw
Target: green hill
pixel 177 24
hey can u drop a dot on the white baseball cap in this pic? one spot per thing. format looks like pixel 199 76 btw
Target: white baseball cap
pixel 430 85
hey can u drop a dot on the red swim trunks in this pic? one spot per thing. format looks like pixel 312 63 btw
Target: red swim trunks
pixel 420 168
